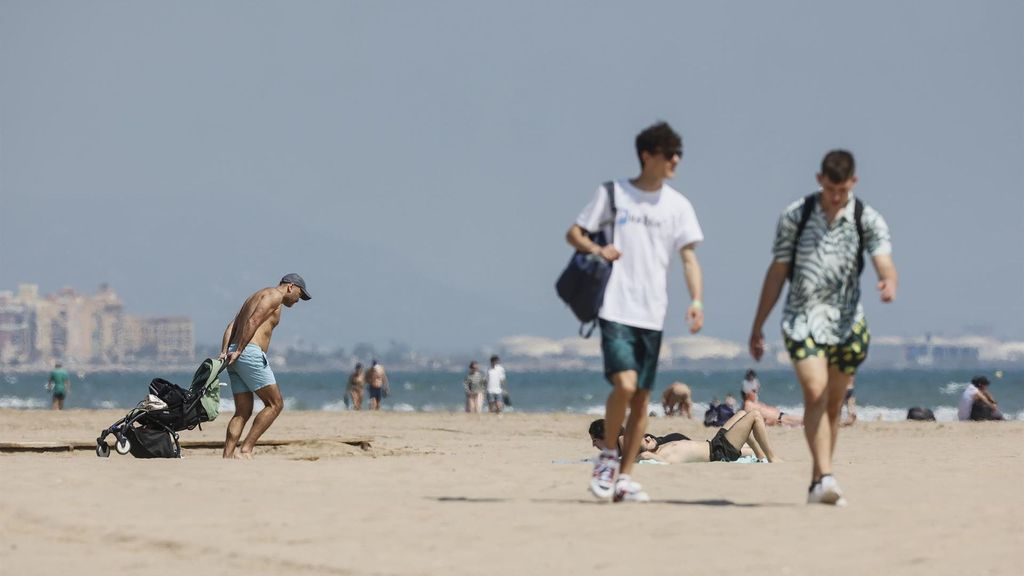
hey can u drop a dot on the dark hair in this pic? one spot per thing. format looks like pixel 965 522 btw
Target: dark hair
pixel 838 166
pixel 750 374
pixel 472 363
pixel 597 429
pixel 359 366
pixel 495 358
pixel 659 137
pixel 979 381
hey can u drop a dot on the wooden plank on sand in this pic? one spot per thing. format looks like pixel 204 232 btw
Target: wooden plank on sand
pixel 362 442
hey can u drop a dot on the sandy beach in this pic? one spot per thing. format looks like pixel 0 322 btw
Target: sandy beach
pixel 475 494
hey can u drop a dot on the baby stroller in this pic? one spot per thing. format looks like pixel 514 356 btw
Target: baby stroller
pixel 150 430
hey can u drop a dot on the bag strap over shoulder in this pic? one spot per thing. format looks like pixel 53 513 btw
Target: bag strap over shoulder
pixel 805 215
pixel 858 214
pixel 609 187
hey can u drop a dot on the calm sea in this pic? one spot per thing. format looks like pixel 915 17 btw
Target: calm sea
pixel 881 394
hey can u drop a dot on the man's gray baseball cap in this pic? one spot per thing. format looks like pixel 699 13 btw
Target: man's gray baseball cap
pixel 297 280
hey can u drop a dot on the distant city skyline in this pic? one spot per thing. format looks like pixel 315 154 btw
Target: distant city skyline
pixel 422 182
pixel 95 332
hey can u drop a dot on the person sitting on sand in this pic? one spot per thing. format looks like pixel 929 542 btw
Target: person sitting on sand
pixel 677 400
pixel 726 446
pixel 977 402
pixel 772 415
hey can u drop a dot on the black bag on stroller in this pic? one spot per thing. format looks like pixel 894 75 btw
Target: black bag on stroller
pixel 150 430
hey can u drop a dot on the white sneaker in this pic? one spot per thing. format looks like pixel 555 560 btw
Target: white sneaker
pixel 826 491
pixel 606 467
pixel 627 490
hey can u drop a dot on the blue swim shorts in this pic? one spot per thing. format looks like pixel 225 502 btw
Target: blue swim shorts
pixel 251 371
pixel 630 348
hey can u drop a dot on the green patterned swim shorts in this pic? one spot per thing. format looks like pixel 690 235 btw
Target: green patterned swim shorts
pixel 847 356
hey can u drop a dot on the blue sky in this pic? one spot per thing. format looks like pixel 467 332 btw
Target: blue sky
pixel 419 163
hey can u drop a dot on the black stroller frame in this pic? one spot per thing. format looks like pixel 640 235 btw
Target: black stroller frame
pixel 171 419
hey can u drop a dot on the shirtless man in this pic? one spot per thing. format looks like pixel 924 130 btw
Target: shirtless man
pixel 377 384
pixel 677 400
pixel 245 345
pixel 772 415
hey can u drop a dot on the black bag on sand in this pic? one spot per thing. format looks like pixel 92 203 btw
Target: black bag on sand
pixel 583 281
pixel 147 443
pixel 922 414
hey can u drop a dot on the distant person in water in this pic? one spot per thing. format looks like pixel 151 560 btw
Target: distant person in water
pixel 356 381
pixel 245 345
pixel 728 444
pixel 59 386
pixel 474 385
pixel 377 384
pixel 977 403
pixel 677 400
pixel 850 403
pixel 496 386
pixel 772 415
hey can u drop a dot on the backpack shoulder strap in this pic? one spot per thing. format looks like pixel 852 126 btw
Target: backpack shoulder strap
pixel 858 215
pixel 805 214
pixel 609 186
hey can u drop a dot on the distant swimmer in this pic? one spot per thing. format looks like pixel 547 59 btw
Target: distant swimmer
pixel 773 416
pixel 245 345
pixel 850 403
pixel 819 247
pixel 474 385
pixel 496 386
pixel 677 400
pixel 356 380
pixel 59 386
pixel 377 384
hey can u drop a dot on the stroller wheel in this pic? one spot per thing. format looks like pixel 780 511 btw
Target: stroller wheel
pixel 123 446
pixel 102 450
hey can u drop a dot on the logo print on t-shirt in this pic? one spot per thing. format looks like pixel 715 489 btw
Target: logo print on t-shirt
pixel 624 217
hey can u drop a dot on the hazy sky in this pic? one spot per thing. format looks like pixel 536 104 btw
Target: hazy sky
pixel 419 162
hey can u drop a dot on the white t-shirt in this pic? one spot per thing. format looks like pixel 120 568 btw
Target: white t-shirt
pixel 966 401
pixel 495 379
pixel 649 228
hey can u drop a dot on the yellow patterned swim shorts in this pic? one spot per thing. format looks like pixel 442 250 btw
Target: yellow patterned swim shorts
pixel 847 356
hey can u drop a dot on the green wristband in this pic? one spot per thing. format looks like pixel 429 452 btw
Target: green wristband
pixel 697 304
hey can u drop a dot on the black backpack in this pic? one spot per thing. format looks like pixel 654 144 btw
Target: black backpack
pixel 711 416
pixel 805 214
pixel 184 409
pixel 582 284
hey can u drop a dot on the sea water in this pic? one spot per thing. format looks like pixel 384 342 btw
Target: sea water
pixel 881 394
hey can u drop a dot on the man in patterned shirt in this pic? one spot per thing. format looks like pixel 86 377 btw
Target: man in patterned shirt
pixel 823 324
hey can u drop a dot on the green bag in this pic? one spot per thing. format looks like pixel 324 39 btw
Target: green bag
pixel 206 384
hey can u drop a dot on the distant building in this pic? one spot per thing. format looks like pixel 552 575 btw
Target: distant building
pixel 86 329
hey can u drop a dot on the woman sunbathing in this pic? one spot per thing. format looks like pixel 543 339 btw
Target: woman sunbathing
pixel 727 445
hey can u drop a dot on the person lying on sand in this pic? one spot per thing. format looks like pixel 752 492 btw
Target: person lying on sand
pixel 727 445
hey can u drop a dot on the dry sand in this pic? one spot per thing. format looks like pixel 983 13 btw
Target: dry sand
pixel 476 494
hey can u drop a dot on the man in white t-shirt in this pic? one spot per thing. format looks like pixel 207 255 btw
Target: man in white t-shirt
pixel 651 222
pixel 495 385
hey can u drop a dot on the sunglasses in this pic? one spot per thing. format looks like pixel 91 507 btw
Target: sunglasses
pixel 670 154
